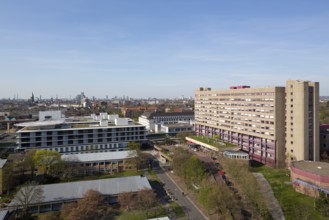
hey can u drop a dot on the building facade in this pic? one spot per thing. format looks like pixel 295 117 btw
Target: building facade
pixel 153 120
pixel 102 162
pixel 176 128
pixel 324 140
pixel 255 120
pixel 302 120
pixel 92 133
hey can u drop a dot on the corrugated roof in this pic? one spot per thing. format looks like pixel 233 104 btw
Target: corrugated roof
pixel 2 163
pixel 3 214
pixel 99 156
pixel 74 190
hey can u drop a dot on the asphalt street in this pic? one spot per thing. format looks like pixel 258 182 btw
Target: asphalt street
pixel 191 211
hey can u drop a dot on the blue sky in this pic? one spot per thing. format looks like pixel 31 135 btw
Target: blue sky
pixel 153 48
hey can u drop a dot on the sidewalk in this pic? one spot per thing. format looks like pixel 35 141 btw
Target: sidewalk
pixel 271 202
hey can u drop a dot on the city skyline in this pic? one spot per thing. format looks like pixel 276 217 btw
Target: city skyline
pixel 159 49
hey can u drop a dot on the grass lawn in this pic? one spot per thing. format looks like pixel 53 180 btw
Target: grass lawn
pixel 213 141
pixel 295 205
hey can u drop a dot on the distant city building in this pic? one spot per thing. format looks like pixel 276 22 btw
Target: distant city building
pixel 133 111
pixel 76 134
pixel 153 120
pixel 309 177
pixel 268 123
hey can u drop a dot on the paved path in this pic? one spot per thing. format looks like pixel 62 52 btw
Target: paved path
pixel 192 212
pixel 272 203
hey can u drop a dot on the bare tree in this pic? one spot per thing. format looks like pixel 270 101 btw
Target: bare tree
pixel 29 194
pixel 67 209
pixel 28 162
pixel 90 207
pixel 127 200
pixel 146 199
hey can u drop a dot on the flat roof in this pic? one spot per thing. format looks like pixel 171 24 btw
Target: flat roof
pixel 60 192
pixel 75 126
pixel 41 123
pixel 315 167
pixel 99 156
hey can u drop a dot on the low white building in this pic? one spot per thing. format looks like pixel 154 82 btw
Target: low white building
pixel 55 195
pixel 102 161
pixel 176 128
pixel 76 134
pixel 153 120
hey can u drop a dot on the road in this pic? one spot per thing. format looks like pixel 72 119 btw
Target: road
pixel 190 210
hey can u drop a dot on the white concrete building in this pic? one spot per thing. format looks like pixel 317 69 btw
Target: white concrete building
pixel 153 120
pixel 91 133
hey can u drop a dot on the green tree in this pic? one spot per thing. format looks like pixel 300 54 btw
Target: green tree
pixel 194 169
pixel 187 166
pixel 204 198
pixel 48 161
pixel 10 179
pixel 217 198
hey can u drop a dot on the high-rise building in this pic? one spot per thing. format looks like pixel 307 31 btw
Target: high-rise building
pixel 256 120
pixel 302 120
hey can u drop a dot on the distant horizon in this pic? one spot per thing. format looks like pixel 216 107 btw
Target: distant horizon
pixel 159 48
